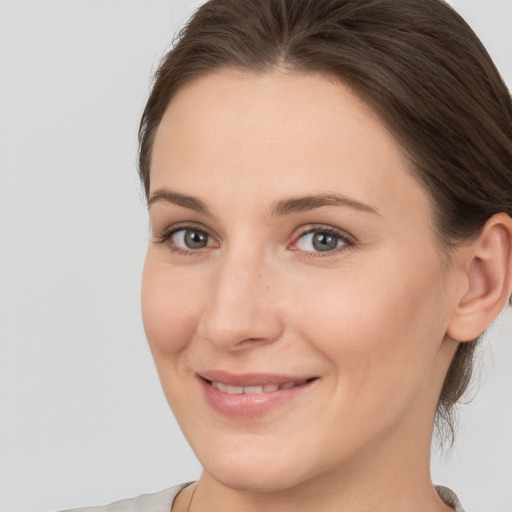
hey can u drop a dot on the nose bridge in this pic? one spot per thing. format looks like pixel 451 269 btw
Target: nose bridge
pixel 242 301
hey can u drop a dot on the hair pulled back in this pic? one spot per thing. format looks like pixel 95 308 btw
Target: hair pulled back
pixel 415 62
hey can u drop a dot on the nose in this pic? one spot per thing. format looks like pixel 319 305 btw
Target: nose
pixel 243 304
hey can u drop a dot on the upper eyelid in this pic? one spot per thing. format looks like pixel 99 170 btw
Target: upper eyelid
pixel 326 228
pixel 178 226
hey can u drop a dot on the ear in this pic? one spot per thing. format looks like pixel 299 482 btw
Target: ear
pixel 487 283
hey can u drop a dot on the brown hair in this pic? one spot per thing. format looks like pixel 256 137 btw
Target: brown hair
pixel 416 62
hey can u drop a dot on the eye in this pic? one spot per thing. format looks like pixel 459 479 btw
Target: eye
pixel 322 240
pixel 190 239
pixel 186 240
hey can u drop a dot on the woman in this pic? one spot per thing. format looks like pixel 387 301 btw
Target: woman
pixel 329 185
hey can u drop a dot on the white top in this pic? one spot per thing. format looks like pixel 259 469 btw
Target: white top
pixel 162 501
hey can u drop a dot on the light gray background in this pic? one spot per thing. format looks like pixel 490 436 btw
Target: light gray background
pixel 82 417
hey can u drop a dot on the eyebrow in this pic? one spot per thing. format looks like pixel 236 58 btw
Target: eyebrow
pixel 305 203
pixel 282 207
pixel 190 202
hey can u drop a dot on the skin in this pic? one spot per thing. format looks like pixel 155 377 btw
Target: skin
pixel 369 319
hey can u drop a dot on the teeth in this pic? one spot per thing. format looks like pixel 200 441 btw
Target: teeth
pixel 253 389
pixel 220 386
pixel 235 390
pixel 249 390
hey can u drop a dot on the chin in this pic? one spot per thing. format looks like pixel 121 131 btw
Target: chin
pixel 256 465
pixel 255 478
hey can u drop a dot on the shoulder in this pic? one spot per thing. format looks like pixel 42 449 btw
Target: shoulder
pixel 155 502
pixel 449 497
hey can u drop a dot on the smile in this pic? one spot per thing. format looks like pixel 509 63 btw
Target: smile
pixel 251 390
pixel 251 396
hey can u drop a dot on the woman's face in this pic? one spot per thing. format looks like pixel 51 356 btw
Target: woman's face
pixel 294 297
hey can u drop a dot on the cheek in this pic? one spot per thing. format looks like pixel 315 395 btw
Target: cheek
pixel 380 327
pixel 170 307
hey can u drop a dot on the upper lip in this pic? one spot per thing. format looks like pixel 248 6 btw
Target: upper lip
pixel 250 379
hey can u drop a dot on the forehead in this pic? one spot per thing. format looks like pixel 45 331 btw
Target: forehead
pixel 275 106
pixel 291 132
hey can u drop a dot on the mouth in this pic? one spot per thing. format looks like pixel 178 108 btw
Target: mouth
pixel 251 395
pixel 255 390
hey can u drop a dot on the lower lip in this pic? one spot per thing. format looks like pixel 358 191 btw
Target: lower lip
pixel 249 405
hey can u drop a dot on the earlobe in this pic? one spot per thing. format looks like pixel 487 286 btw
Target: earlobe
pixel 487 280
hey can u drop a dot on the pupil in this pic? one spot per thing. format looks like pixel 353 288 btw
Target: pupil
pixel 195 240
pixel 325 242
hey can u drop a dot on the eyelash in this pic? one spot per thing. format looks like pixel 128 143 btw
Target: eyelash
pixel 346 239
pixel 166 236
